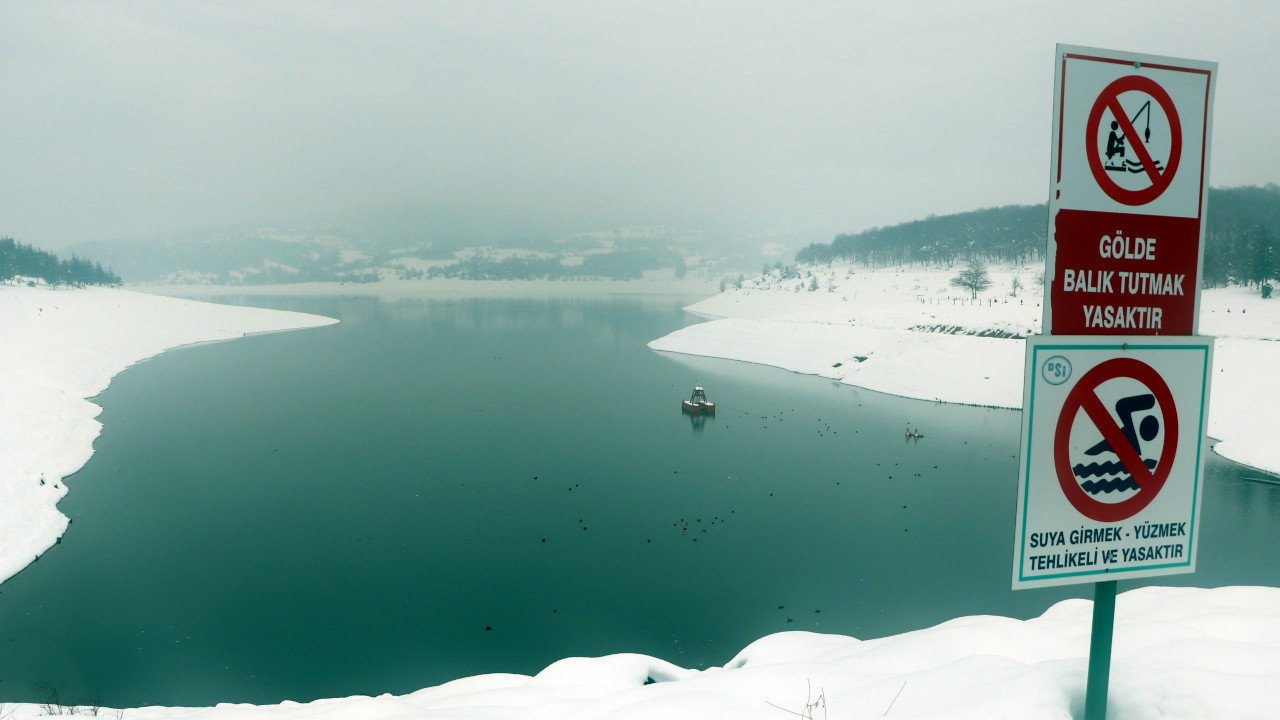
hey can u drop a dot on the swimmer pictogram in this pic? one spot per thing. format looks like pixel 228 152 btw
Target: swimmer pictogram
pixel 1112 474
pixel 1122 469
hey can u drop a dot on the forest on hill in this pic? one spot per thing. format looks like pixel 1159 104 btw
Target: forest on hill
pixel 1013 233
pixel 1241 233
pixel 270 255
pixel 18 260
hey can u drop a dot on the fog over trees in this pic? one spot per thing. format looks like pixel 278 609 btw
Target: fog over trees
pixel 18 260
pixel 1242 230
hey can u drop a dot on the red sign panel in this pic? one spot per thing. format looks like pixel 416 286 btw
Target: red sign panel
pixel 1124 274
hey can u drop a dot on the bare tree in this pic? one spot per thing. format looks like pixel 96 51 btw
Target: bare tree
pixel 974 277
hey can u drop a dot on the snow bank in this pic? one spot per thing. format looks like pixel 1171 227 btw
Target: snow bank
pixel 61 347
pixel 909 332
pixel 1180 653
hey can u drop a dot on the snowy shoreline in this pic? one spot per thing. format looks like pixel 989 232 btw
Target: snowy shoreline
pixel 62 348
pixel 907 332
pixel 1180 652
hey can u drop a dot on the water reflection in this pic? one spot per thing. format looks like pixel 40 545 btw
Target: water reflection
pixel 1252 493
pixel 698 421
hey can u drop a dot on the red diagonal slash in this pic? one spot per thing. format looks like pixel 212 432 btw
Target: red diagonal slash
pixel 1084 396
pixel 1109 99
pixel 1115 437
pixel 1135 141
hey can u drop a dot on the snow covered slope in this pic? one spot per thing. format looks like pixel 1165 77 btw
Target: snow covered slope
pixel 909 332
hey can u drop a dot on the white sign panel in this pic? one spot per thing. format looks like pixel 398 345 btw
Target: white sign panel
pixel 1128 189
pixel 1133 132
pixel 1113 437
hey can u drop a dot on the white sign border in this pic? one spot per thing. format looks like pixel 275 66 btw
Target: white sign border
pixel 1121 345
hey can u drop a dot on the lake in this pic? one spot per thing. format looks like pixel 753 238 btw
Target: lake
pixel 431 490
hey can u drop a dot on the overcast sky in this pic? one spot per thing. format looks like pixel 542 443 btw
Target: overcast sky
pixel 131 118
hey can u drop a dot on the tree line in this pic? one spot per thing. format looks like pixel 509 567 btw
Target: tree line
pixel 19 260
pixel 1240 236
pixel 1241 244
pixel 1010 233
pixel 616 265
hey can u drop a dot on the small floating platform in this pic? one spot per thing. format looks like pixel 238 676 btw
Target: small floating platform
pixel 698 404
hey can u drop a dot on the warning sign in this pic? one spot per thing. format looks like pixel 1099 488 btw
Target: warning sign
pixel 1132 166
pixel 1113 479
pixel 1113 441
pixel 1128 193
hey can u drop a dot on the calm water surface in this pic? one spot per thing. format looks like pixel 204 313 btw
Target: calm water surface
pixel 431 490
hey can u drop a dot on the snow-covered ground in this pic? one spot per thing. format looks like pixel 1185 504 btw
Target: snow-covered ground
pixel 1179 652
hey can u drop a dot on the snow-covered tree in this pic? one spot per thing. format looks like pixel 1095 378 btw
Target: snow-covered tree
pixel 974 277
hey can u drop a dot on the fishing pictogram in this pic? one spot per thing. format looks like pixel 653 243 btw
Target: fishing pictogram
pixel 1132 166
pixel 1116 160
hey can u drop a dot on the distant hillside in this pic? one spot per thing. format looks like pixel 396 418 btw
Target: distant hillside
pixel 18 261
pixel 239 256
pixel 1012 232
pixel 256 256
pixel 1241 236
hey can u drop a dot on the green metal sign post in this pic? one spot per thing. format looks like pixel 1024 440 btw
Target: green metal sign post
pixel 1066 535
pixel 1104 623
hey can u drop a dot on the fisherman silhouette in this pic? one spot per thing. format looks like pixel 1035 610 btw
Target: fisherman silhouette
pixel 1115 141
pixel 1148 428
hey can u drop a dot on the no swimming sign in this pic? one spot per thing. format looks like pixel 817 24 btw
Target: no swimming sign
pixel 1113 439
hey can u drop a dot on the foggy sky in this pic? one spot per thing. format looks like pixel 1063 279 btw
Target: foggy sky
pixel 133 118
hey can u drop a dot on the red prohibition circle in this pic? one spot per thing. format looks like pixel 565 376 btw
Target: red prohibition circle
pixel 1109 98
pixel 1084 397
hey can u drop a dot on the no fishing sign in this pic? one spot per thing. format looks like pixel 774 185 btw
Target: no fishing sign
pixel 1113 447
pixel 1129 187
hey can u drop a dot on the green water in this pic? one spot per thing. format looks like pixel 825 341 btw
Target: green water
pixel 432 490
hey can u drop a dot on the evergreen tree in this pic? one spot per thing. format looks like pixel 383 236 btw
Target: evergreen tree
pixel 8 259
pixel 1241 233
pixel 17 259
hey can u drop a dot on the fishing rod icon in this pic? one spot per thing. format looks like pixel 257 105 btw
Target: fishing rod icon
pixel 1116 141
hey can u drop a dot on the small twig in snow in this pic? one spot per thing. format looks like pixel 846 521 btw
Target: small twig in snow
pixel 895 698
